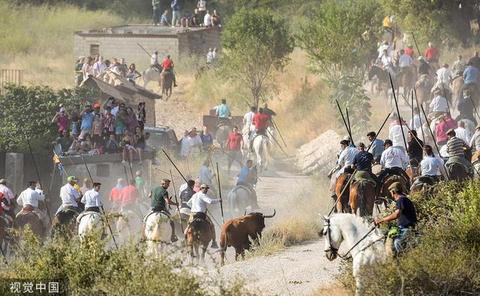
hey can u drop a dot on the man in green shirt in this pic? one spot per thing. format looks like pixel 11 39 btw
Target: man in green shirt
pixel 160 199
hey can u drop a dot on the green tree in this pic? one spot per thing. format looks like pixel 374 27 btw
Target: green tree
pixel 27 112
pixel 256 43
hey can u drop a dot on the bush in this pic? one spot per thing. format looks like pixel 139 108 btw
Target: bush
pixel 445 261
pixel 93 269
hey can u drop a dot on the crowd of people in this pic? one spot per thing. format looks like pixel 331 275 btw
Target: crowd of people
pixel 95 129
pixel 97 67
pixel 200 17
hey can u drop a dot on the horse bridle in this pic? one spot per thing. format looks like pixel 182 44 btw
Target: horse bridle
pixel 335 250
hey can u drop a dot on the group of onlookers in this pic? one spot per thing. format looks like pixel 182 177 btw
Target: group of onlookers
pixel 116 128
pixel 97 67
pixel 201 17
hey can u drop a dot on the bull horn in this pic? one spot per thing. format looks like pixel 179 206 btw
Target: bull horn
pixel 273 215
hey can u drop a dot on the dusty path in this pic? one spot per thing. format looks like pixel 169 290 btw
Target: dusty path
pixel 297 270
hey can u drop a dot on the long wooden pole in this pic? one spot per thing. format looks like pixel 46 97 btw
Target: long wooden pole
pixel 398 111
pixel 174 165
pixel 345 122
pixel 176 200
pixel 419 116
pixel 220 192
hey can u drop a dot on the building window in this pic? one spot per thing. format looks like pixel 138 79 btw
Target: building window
pixel 103 170
pixel 94 50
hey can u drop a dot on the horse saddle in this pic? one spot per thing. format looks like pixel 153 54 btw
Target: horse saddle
pixel 86 213
pixel 364 176
pixel 424 180
pixel 152 212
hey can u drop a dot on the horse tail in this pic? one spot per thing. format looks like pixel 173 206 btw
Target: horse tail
pixel 362 187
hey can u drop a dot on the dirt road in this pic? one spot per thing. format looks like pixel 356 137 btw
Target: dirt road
pixel 297 270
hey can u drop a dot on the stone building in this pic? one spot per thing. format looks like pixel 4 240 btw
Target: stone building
pixel 124 41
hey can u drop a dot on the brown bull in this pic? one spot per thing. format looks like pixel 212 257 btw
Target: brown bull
pixel 238 231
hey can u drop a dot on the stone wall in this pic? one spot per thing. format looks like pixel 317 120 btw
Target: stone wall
pixel 198 42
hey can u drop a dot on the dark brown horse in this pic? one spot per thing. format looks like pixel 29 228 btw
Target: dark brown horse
pixel 64 223
pixel 389 181
pixel 342 193
pixel 198 234
pixel 32 220
pixel 362 197
pixel 166 83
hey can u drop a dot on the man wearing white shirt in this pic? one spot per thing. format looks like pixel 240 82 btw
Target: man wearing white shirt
pixel 416 122
pixel 198 205
pixel 405 60
pixel 393 161
pixel 344 163
pixel 462 132
pixel 439 104
pixel 99 67
pixel 248 121
pixel 395 133
pixel 69 196
pixel 444 75
pixel 29 199
pixel 91 199
pixel 207 19
pixel 475 140
pixel 431 166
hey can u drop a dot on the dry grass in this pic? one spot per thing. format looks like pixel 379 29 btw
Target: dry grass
pixel 332 290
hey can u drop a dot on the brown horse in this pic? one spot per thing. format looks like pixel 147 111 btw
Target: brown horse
pixel 362 197
pixel 198 233
pixel 166 83
pixel 423 87
pixel 413 172
pixel 32 220
pixel 457 87
pixel 406 79
pixel 64 223
pixel 342 194
pixel 389 181
pixel 457 172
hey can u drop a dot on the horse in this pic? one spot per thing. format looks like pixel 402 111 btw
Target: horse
pixel 389 181
pixel 64 223
pixel 151 74
pixel 128 223
pixel 166 83
pixel 221 135
pixel 406 79
pixel 199 233
pixel 382 76
pixel 457 92
pixel 90 224
pixel 457 172
pixel 158 232
pixel 260 146
pixel 31 219
pixel 362 197
pixel 342 193
pixel 423 87
pixel 239 199
pixel 351 229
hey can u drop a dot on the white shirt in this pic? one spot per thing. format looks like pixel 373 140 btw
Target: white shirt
pixel 382 48
pixel 99 68
pixel 202 5
pixel 431 166
pixel 248 120
pixel 207 20
pixel 395 134
pixel 444 75
pixel 209 57
pixel 439 104
pixel 29 197
pixel 416 123
pixel 475 141
pixel 91 199
pixel 7 192
pixel 154 59
pixel 405 61
pixel 69 195
pixel 346 156
pixel 463 134
pixel 394 157
pixel 205 175
pixel 199 202
pixel 386 61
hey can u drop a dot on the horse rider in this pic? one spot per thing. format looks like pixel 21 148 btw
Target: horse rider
pixel 154 62
pixel 167 65
pixel 160 200
pixel 444 77
pixel 248 126
pixel 223 113
pixel 394 160
pixel 91 199
pixel 362 162
pixel 405 214
pixel 376 146
pixel 405 62
pixel 456 152
pixel 470 78
pixel 395 132
pixel 29 200
pixel 268 111
pixel 198 203
pixel 432 55
pixel 8 202
pixel 344 163
pixel 458 66
pixel 431 166
pixel 424 68
pixel 70 195
pixel 206 175
pixel 186 194
pixel 387 62
pixel 247 178
pixel 415 148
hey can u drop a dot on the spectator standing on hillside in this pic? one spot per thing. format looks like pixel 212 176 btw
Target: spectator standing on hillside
pixel 175 12
pixel 61 119
pixel 202 7
pixel 156 12
pixel 207 20
pixel 216 21
pixel 87 116
pixel 209 56
pixel 164 19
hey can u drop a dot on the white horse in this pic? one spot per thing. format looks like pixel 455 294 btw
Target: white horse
pixel 157 232
pixel 351 229
pixel 128 225
pixel 239 199
pixel 151 74
pixel 261 145
pixel 90 224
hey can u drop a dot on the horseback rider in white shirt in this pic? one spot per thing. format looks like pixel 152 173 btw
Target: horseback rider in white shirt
pixel 29 199
pixel 394 161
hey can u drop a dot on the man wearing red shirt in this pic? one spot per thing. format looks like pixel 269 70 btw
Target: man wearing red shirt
pixel 167 65
pixel 431 53
pixel 260 120
pixel 234 145
pixel 445 124
pixel 115 195
pixel 409 50
pixel 129 196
